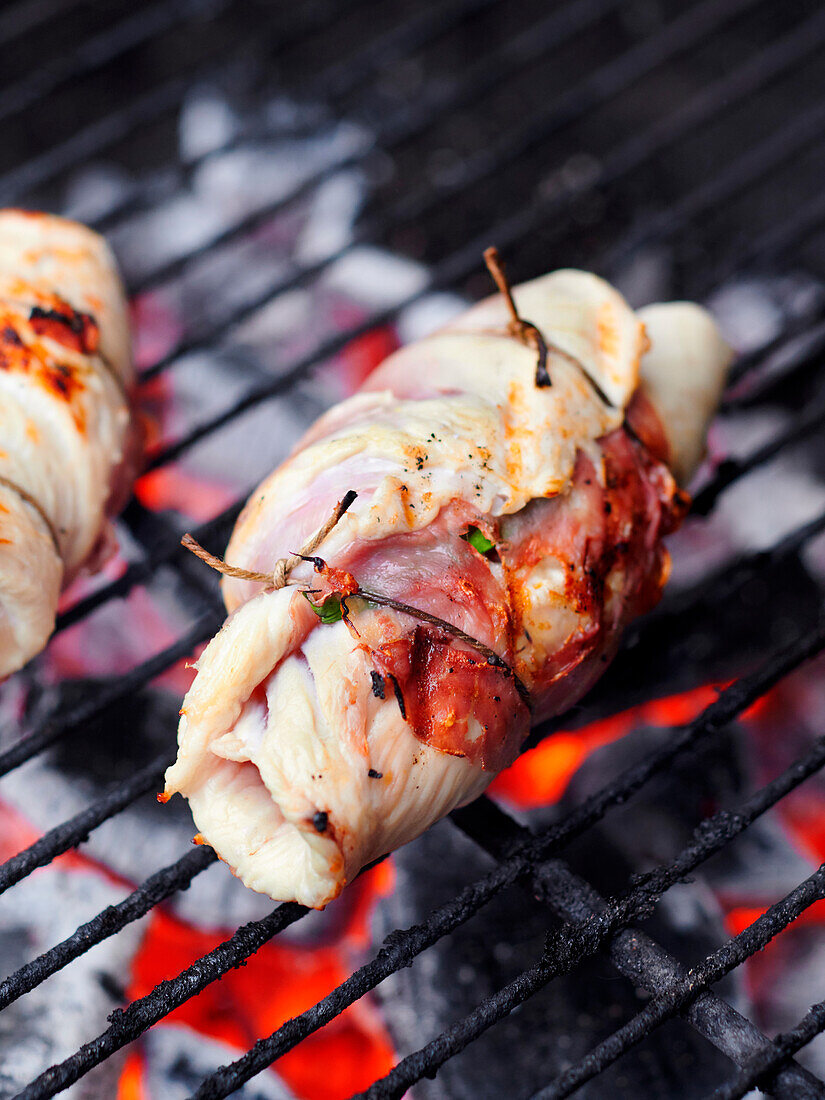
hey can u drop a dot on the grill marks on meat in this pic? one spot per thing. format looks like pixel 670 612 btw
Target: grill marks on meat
pixel 597 548
pixel 605 534
pixel 448 434
pixel 69 439
pixel 453 699
pixel 63 380
pixel 67 326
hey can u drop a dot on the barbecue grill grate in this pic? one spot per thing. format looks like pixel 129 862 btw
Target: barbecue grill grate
pixel 547 223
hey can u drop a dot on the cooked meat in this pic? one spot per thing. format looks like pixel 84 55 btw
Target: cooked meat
pixel 504 532
pixel 68 441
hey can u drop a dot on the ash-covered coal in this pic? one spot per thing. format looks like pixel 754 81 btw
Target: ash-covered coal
pixel 53 1020
pixel 177 1060
pixel 552 1029
pixel 145 836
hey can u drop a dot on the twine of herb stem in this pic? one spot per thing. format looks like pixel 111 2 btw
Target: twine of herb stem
pixel 489 654
pixel 525 331
pixel 284 566
pixel 27 498
pixel 529 334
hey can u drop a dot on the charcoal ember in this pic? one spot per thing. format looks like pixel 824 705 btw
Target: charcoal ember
pixel 720 631
pixel 787 980
pixel 176 1060
pixel 761 865
pixel 552 1029
pixel 659 820
pixel 54 1019
pixel 145 836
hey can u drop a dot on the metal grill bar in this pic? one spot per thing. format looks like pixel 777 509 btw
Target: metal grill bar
pixel 217 529
pixel 634 954
pixel 19 19
pixel 482 823
pixel 141 1014
pixel 92 140
pixel 177 876
pixel 568 945
pixel 760 160
pixel 677 37
pixel 731 469
pixel 793 228
pixel 784 1046
pixel 730 579
pixel 101 49
pixel 113 692
pixel 523 49
pixel 695 983
pixel 74 831
pixel 337 80
pixel 806 357
pixel 128 1023
pixel 459 265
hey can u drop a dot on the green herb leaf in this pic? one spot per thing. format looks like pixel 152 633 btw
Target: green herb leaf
pixel 329 611
pixel 478 541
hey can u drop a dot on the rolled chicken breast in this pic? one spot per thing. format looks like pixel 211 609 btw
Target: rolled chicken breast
pixel 512 486
pixel 68 440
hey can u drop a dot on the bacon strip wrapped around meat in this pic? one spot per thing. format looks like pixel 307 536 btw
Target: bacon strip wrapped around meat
pixel 68 442
pixel 331 721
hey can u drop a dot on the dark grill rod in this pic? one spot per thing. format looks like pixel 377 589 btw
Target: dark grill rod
pixel 447 272
pixel 594 90
pixel 87 142
pixel 686 990
pixel 730 578
pixel 792 139
pixel 101 49
pixel 804 357
pixel 92 140
pixel 114 691
pixel 73 832
pixel 792 228
pixel 130 1022
pixel 635 955
pixel 134 1020
pixel 177 876
pixel 784 1046
pixel 525 48
pixel 732 469
pixel 212 532
pixel 794 332
pixel 19 19
pixel 337 80
pixel 568 945
pixel 497 834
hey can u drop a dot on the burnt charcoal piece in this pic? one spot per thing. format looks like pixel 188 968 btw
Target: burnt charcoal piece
pixel 178 1059
pixel 562 1022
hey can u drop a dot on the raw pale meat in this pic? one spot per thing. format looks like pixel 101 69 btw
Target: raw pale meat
pixel 527 517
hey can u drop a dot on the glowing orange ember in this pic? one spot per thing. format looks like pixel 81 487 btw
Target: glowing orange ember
pixel 540 777
pixel 362 355
pixel 279 982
